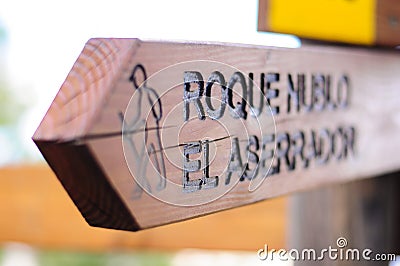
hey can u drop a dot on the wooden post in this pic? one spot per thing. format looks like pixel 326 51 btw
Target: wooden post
pixel 366 213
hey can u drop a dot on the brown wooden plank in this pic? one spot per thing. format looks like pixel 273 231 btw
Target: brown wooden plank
pixel 36 210
pixel 335 119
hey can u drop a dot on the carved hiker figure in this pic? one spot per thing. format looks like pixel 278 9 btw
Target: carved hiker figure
pixel 145 126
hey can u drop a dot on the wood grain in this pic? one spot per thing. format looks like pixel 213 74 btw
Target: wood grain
pixel 365 124
pixel 87 186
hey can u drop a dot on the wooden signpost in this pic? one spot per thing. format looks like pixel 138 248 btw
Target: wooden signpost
pixel 148 133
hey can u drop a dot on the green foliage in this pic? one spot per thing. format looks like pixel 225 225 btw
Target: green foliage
pixel 3 34
pixel 57 258
pixel 10 108
pixel 66 259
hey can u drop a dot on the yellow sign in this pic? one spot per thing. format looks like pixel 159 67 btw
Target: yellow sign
pixel 350 21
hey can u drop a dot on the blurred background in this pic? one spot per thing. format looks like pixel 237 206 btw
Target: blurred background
pixel 39 225
pixel 40 41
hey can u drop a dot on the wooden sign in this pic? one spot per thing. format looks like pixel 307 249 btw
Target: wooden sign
pixel 148 133
pixel 366 22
